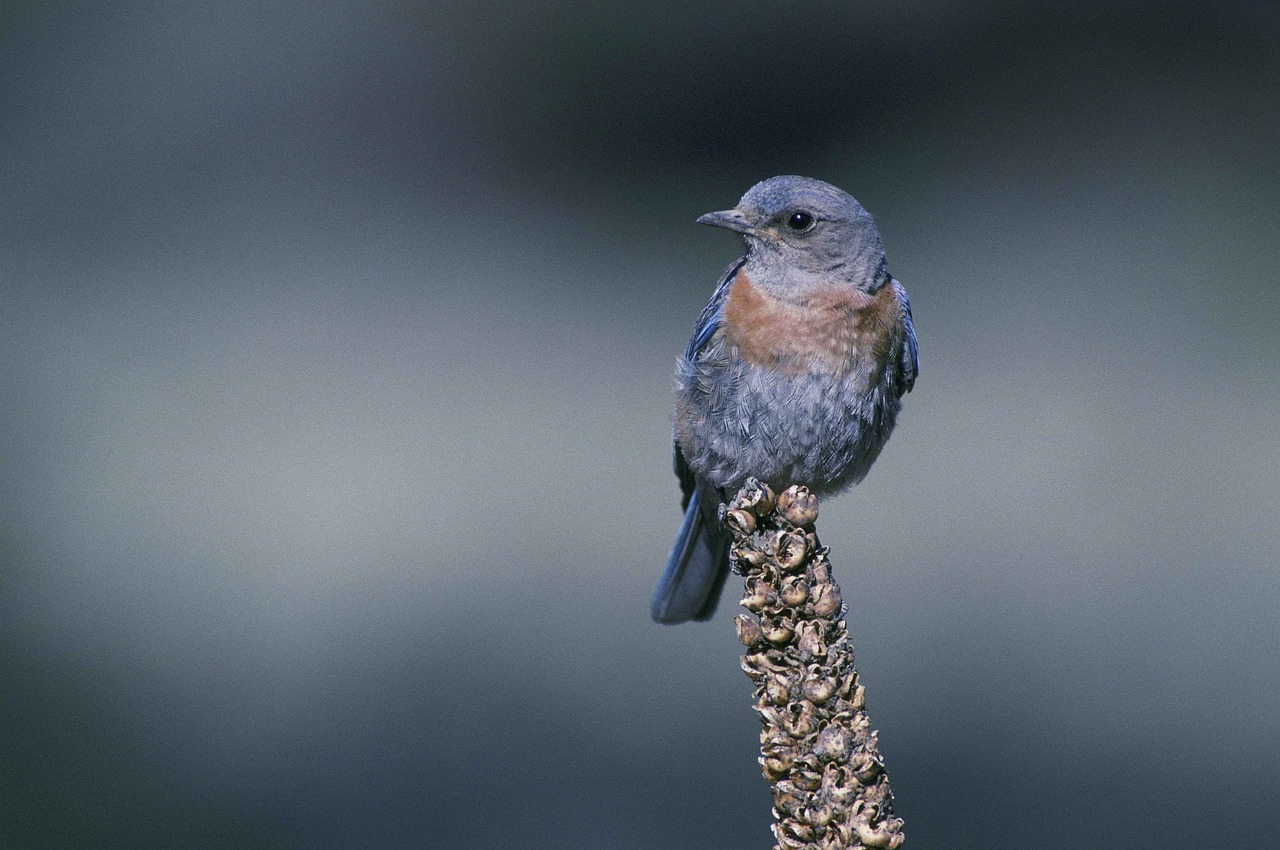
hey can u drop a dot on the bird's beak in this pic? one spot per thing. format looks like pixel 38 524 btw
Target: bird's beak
pixel 730 220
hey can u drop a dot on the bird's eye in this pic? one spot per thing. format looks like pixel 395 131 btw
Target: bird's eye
pixel 800 221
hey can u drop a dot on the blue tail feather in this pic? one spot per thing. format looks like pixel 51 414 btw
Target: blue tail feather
pixel 697 567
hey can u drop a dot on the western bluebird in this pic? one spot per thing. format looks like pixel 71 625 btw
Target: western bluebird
pixel 794 374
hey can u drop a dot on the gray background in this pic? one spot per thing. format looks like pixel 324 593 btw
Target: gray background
pixel 335 351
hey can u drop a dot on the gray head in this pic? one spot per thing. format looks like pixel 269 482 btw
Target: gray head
pixel 802 233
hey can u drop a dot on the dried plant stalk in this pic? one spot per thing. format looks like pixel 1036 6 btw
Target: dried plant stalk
pixel 817 748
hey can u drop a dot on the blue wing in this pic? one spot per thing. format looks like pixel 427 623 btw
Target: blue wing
pixel 696 568
pixel 910 351
pixel 712 314
pixel 698 564
pixel 708 323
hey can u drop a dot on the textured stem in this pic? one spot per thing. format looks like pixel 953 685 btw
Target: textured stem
pixel 817 748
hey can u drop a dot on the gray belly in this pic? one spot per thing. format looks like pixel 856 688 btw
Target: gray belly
pixel 734 421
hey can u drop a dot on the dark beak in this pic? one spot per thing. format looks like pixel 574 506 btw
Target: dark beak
pixel 730 220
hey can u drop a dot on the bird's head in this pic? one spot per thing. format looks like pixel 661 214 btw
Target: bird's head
pixel 802 232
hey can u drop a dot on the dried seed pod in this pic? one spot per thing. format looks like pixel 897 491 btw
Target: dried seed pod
pixel 759 596
pixel 787 798
pixel 772 717
pixel 778 743
pixel 776 691
pixel 778 661
pixel 740 522
pixel 773 738
pixel 798 506
pixel 877 837
pixel 777 630
pixel 748 629
pixel 790 549
pixel 775 767
pixel 818 691
pixel 756 497
pixel 839 785
pixel 826 600
pixel 861 726
pixel 806 780
pixel 800 830
pixel 809 638
pixel 858 700
pixel 841 637
pixel 795 590
pixel 839 837
pixel 747 559
pixel 879 795
pixel 819 815
pixel 756 663
pixel 785 840
pixel 866 767
pixel 799 720
pixel 848 683
pixel 833 744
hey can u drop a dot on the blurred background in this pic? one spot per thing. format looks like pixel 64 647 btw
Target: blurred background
pixel 335 355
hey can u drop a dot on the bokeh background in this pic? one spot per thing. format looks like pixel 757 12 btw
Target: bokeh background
pixel 335 353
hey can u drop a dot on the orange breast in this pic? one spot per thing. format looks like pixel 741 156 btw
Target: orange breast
pixel 829 330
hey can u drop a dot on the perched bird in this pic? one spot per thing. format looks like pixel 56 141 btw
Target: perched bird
pixel 794 374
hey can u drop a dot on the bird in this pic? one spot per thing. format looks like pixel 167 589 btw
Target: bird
pixel 794 374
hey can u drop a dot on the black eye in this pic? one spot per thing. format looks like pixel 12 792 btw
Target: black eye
pixel 800 221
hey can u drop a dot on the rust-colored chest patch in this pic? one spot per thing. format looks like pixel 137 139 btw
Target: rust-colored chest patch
pixel 831 330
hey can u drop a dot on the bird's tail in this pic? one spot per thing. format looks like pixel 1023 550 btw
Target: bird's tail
pixel 696 568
